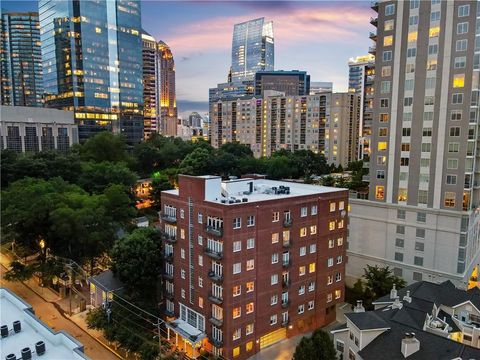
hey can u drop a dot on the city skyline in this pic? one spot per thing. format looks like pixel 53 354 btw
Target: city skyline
pixel 318 37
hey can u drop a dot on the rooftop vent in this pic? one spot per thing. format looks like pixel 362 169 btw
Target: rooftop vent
pixel 11 357
pixel 393 292
pixel 410 345
pixel 17 326
pixel 4 331
pixel 407 297
pixel 245 199
pixel 26 353
pixel 359 307
pixel 40 348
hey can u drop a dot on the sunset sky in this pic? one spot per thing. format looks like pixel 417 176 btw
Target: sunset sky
pixel 316 36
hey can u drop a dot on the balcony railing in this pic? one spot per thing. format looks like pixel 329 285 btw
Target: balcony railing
pixel 373 35
pixel 374 21
pixel 216 322
pixel 170 238
pixel 287 244
pixel 168 257
pixel 168 313
pixel 285 304
pixel 212 275
pixel 286 263
pixel 286 283
pixel 215 342
pixel 285 322
pixel 168 276
pixel 169 218
pixel 374 5
pixel 217 255
pixel 372 50
pixel 214 230
pixel 169 295
pixel 215 299
pixel 287 222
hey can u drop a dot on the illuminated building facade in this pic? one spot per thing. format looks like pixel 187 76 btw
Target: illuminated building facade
pixel 250 262
pixel 361 74
pixel 252 49
pixel 21 60
pixel 92 62
pixel 168 102
pixel 151 113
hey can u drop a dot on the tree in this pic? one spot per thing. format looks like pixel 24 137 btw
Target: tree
pixel 317 347
pixel 104 146
pixel 280 167
pixel 380 280
pixel 236 149
pixel 137 261
pixel 160 182
pixel 19 272
pixel 96 177
pixel 198 162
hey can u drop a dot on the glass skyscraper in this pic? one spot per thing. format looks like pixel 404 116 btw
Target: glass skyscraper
pixel 92 64
pixel 21 60
pixel 252 49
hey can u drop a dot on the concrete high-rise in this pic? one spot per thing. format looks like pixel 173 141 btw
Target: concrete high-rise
pixel 250 262
pixel 21 60
pixel 92 64
pixel 422 218
pixel 361 73
pixel 291 83
pixel 252 49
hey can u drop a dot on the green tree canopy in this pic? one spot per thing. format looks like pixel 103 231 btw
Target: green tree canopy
pixel 97 176
pixel 380 280
pixel 317 347
pixel 104 146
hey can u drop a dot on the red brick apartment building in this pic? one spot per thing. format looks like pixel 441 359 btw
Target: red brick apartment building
pixel 249 262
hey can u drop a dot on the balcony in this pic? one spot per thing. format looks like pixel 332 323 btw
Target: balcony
pixel 366 178
pixel 215 299
pixel 285 304
pixel 212 275
pixel 215 342
pixel 372 50
pixel 168 276
pixel 285 322
pixel 216 255
pixel 373 36
pixel 168 313
pixel 286 283
pixel 214 230
pixel 374 21
pixel 216 322
pixel 169 218
pixel 169 295
pixel 374 5
pixel 287 222
pixel 168 257
pixel 287 244
pixel 286 263
pixel 170 238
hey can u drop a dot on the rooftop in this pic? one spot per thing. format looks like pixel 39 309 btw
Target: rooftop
pixel 58 345
pixel 238 191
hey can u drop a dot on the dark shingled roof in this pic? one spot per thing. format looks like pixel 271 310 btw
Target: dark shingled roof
pixel 106 281
pixel 367 320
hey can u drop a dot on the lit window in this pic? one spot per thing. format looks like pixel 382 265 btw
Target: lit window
pixel 250 264
pixel 402 194
pixel 98 30
pixel 379 192
pixel 249 308
pixel 340 224
pixel 275 238
pixel 301 270
pixel 237 290
pixel 250 286
pixel 338 294
pixel 275 216
pixel 412 36
pixel 237 312
pixel 382 145
pixel 332 206
pixel 331 243
pixel 311 268
pixel 388 40
pixel 303 232
pixel 459 80
pixel 340 241
pixel 236 351
pixel 249 329
pixel 237 333
pixel 331 225
pixel 249 346
pixel 434 31
pixel 313 229
pixel 449 199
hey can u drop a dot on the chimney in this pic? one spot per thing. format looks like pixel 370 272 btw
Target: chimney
pixel 407 297
pixel 397 304
pixel 359 308
pixel 393 292
pixel 410 345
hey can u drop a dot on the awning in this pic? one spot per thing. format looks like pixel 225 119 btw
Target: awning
pixel 187 331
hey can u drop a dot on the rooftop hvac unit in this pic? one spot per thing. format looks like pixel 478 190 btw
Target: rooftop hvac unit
pixel 4 331
pixel 11 357
pixel 17 326
pixel 238 201
pixel 26 353
pixel 245 200
pixel 223 201
pixel 40 348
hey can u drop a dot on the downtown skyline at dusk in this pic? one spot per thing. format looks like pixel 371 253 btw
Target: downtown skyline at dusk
pixel 324 35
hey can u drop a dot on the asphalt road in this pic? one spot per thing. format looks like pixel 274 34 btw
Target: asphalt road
pixel 53 318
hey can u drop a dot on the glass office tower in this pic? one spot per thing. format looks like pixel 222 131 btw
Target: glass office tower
pixel 92 61
pixel 252 49
pixel 21 60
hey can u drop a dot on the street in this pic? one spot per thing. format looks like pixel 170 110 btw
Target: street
pixel 54 319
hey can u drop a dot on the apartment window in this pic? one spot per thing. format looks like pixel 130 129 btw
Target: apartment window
pixel 237 223
pixel 275 238
pixel 389 9
pixel 274 300
pixel 406 131
pixel 341 205
pixel 462 28
pixel 250 243
pixel 200 240
pixel 274 279
pixel 303 211
pixel 379 192
pixel 453 147
pixel 461 45
pixel 338 294
pixel 275 216
pixel 426 147
pixel 422 196
pixel 458 80
pixel 411 52
pixel 237 246
pixel 200 218
pixel 410 68
pixel 451 179
pixel 313 248
pixel 409 84
pixel 200 282
pixel 301 309
pixel 400 229
pixel 433 49
pixel 200 260
pixel 237 268
pixel 250 285
pixel 236 351
pixel 329 297
pixel 417 260
pixel 420 233
pixel 339 259
pixel 249 329
pixel 419 246
pixel 330 262
pixel 301 290
pixel 251 220
pixel 421 217
pixel 311 304
pixel 457 98
pixel 460 62
pixel 449 199
pixel 303 232
pixel 332 206
pixel 385 87
pixel 413 20
pixel 311 268
pixel 236 334
pixel 388 40
pixel 389 25
pixel 384 104
pixel 182 293
pixel 381 160
pixel 311 286
pixel 417 276
pixel 427 132
pixel 340 224
pixel 398 256
pixel 301 270
pixel 182 273
pixel 384 118
pixel 250 264
pixel 430 83
pixel 452 164
pixel 432 64
pixel 182 253
pixel 249 308
pixel 382 146
pixel 405 147
pixel 404 161
pixel 380 174
pixel 414 4
pixel 237 312
pixel 237 290
pixel 401 214
pixel 331 225
pixel 434 31
pixel 399 243
pixel 303 251
pixel 313 229
pixel 273 319
pixel 387 55
pixel 435 16
pixel 463 10
pixel 338 277
pixel 331 243
pixel 182 213
pixel 386 71
pixel 314 210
